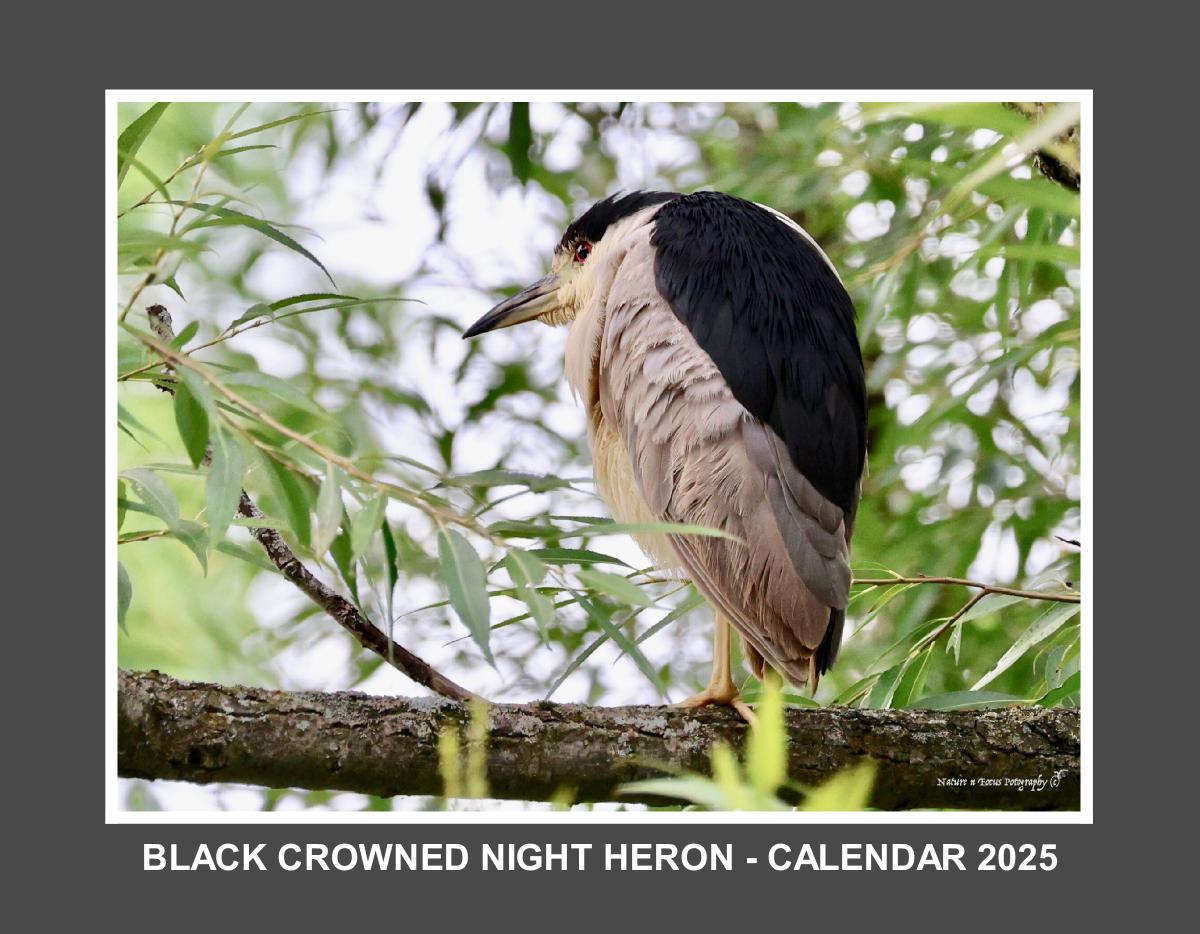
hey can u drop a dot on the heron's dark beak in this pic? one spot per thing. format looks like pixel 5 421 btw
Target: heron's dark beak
pixel 527 304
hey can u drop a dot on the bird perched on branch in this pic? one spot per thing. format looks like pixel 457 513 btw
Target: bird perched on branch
pixel 714 347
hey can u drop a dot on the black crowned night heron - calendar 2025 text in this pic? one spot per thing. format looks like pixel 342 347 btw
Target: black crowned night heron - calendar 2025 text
pixel 714 347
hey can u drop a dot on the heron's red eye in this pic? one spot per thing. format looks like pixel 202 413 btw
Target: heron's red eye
pixel 582 252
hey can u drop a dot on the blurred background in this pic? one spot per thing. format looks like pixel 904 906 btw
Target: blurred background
pixel 324 258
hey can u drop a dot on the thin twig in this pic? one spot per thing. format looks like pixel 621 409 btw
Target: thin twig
pixel 206 155
pixel 176 358
pixel 946 626
pixel 369 636
pixel 235 331
pixel 342 610
pixel 963 582
pixel 142 536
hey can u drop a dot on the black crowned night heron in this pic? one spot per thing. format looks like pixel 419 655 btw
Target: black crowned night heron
pixel 714 347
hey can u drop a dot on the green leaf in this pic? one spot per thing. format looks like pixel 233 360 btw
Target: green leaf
pixel 155 495
pixel 647 528
pixel 274 123
pixel 132 354
pixel 185 335
pixel 849 790
pixel 133 506
pixel 727 775
pixel 257 310
pixel 512 528
pixel 329 511
pixel 695 789
pixel 173 285
pixel 226 153
pixel 969 116
pixel 855 691
pixel 1045 625
pixel 293 496
pixel 560 556
pixel 538 483
pixel 274 386
pixel 525 569
pixel 223 490
pixel 310 297
pixel 191 418
pixel 466 581
pixel 153 179
pixel 227 217
pixel 520 139
pixel 343 557
pixel 598 616
pixel 1033 192
pixel 885 687
pixel 393 566
pixel 261 522
pixel 766 749
pixel 615 586
pixel 127 417
pixel 1068 689
pixel 988 604
pixel 132 137
pixel 1038 252
pixel 1062 652
pixel 575 662
pixel 912 679
pixel 121 510
pixel 365 524
pixel 954 643
pixel 790 698
pixel 195 537
pixel 689 603
pixel 343 301
pixel 234 550
pixel 145 241
pixel 124 595
pixel 526 572
pixel 964 700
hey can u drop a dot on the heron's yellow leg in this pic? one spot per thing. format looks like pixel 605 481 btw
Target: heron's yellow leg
pixel 721 689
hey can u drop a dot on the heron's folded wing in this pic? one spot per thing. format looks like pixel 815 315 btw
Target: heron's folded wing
pixel 698 456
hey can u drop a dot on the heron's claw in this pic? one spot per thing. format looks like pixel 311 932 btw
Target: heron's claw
pixel 723 695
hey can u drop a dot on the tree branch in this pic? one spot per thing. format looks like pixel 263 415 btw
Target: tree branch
pixel 344 612
pixel 387 746
pixel 1058 160
pixel 984 588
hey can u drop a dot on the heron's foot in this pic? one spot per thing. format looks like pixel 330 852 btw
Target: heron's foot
pixel 724 695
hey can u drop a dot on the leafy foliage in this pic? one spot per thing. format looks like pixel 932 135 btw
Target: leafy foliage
pixel 443 486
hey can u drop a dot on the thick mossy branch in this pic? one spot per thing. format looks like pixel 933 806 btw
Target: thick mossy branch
pixel 1017 758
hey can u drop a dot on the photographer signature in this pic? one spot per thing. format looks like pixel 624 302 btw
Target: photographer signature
pixel 1035 783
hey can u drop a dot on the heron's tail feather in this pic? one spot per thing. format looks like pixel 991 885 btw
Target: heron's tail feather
pixel 828 649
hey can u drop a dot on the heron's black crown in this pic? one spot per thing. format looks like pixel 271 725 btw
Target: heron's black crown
pixel 592 224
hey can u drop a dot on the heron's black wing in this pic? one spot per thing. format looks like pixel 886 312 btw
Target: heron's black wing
pixel 763 302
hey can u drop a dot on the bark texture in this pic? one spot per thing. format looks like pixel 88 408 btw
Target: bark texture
pixel 385 746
